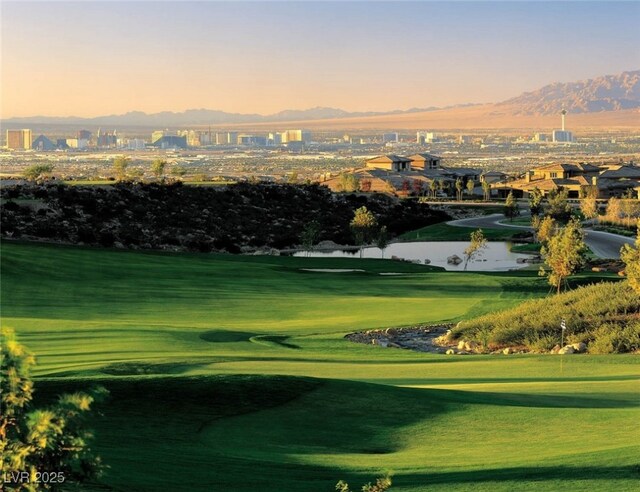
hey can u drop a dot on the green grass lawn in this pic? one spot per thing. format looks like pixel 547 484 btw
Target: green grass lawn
pixel 231 373
pixel 446 232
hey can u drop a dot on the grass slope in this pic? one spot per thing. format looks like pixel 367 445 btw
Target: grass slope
pixel 231 373
pixel 446 232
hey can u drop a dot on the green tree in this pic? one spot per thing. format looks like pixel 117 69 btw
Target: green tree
pixel 363 226
pixel 54 438
pixel 120 165
pixel 37 171
pixel 382 239
pixel 535 201
pixel 459 188
pixel 382 484
pixel 511 209
pixel 486 190
pixel 477 244
pixel 631 257
pixel 158 167
pixel 558 206
pixel 470 187
pixel 310 235
pixel 564 254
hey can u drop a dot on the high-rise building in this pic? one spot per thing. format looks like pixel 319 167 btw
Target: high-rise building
pixel 390 137
pixel 19 139
pixel 84 134
pixel 106 139
pixel 232 138
pixel 562 135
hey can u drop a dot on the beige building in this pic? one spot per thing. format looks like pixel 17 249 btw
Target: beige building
pixel 19 139
pixel 575 178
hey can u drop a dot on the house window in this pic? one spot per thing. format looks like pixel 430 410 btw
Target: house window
pixel 554 175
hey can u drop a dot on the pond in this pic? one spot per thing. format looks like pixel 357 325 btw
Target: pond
pixel 495 257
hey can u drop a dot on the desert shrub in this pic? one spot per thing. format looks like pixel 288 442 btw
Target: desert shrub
pixel 612 338
pixel 536 323
pixel 541 342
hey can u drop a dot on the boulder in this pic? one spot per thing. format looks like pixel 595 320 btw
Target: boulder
pixel 579 347
pixel 567 349
pixel 450 352
pixel 507 351
pixel 470 346
pixel 454 260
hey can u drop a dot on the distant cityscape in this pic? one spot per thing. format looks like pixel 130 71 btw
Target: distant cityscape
pixel 294 139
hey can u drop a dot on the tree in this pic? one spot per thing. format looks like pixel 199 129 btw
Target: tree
pixel 433 188
pixel 52 439
pixel 459 188
pixel 614 210
pixel 477 244
pixel 310 235
pixel 546 229
pixel 293 178
pixel 535 201
pixel 120 165
pixel 631 257
pixel 630 209
pixel 382 240
pixel 157 168
pixel 37 171
pixel 470 187
pixel 557 205
pixel 589 206
pixel 564 254
pixel 349 182
pixel 486 190
pixel 382 484
pixel 363 226
pixel 511 209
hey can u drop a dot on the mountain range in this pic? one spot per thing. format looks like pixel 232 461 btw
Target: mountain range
pixel 610 93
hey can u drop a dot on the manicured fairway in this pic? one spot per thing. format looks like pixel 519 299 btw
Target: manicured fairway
pixel 231 373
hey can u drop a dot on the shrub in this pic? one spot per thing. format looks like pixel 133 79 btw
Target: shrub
pixel 536 323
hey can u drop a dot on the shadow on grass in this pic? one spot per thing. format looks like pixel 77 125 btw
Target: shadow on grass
pixel 271 340
pixel 518 474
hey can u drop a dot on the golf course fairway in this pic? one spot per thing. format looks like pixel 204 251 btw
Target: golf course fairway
pixel 232 373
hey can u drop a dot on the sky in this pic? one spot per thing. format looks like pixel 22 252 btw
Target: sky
pixel 99 58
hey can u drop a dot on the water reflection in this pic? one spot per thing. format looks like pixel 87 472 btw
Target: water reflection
pixel 495 257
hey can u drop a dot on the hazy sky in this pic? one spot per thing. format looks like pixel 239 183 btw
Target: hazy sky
pixel 95 58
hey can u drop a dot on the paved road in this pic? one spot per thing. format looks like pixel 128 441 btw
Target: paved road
pixel 603 244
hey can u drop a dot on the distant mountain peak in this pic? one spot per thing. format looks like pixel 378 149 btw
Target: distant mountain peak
pixel 606 93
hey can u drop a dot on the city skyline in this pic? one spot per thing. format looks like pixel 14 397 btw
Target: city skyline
pixel 86 60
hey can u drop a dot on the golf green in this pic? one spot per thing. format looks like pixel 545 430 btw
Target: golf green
pixel 232 373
